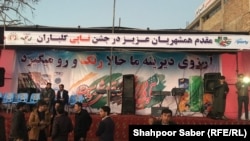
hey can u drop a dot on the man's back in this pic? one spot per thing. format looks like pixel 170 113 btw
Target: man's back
pixel 62 126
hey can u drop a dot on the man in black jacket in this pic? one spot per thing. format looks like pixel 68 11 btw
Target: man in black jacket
pixel 18 129
pixel 219 102
pixel 62 125
pixel 83 122
pixel 58 104
pixel 106 127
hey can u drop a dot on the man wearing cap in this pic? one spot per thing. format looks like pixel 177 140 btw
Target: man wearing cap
pixel 219 102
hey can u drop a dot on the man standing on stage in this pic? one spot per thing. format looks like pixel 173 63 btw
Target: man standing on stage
pixel 62 95
pixel 48 95
pixel 219 102
pixel 243 98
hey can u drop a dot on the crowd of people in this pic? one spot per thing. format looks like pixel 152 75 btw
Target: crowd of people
pixel 48 119
pixel 41 127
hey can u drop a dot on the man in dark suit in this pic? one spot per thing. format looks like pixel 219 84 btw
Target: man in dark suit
pixel 62 95
pixel 106 128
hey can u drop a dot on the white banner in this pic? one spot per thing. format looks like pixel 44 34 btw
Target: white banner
pixel 91 40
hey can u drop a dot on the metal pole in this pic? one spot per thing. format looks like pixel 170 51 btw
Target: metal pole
pixel 111 55
pixel 113 27
pixel 4 28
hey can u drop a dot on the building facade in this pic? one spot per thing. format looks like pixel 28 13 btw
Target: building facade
pixel 222 15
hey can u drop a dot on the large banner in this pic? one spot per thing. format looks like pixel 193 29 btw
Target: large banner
pixel 94 73
pixel 129 40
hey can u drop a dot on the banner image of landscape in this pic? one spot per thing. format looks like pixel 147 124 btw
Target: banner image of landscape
pixel 94 73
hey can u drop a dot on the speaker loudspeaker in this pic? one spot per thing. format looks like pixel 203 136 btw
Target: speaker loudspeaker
pixel 210 79
pixel 128 106
pixel 128 94
pixel 128 86
pixel 2 73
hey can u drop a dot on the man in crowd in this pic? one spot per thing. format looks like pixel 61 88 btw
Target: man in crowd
pixel 39 122
pixel 18 130
pixel 106 128
pixel 166 118
pixel 83 122
pixel 58 104
pixel 62 125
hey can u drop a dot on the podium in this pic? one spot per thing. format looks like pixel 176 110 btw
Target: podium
pixel 177 93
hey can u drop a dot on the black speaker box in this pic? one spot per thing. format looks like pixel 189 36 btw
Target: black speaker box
pixel 128 106
pixel 2 73
pixel 212 76
pixel 210 79
pixel 128 86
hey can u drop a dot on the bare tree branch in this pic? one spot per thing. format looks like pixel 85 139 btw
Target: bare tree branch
pixel 12 11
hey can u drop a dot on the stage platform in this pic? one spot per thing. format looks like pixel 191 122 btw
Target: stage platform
pixel 122 122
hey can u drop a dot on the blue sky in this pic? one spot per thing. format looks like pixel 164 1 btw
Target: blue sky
pixel 155 14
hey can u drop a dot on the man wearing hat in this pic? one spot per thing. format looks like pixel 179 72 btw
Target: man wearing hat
pixel 219 102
